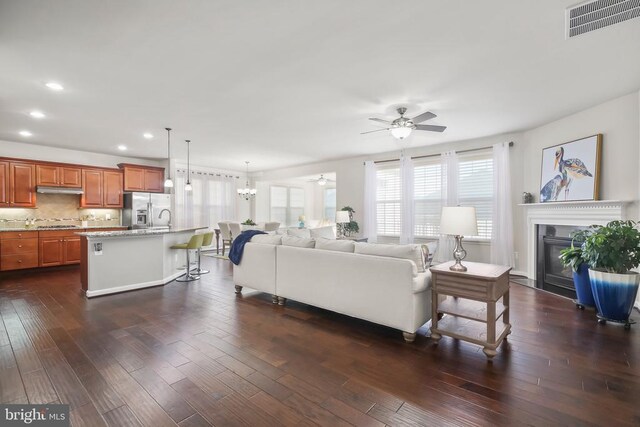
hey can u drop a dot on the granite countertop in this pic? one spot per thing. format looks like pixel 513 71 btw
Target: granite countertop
pixel 71 227
pixel 140 232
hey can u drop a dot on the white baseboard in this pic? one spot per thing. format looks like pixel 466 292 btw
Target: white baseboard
pixel 518 273
pixel 132 287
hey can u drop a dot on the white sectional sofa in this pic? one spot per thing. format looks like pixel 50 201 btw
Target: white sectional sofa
pixel 384 284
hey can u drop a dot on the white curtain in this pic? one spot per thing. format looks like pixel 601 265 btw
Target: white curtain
pixel 212 199
pixel 502 230
pixel 449 179
pixel 370 211
pixel 407 201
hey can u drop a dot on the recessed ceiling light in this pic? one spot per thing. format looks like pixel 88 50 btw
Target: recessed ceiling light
pixel 55 86
pixel 122 147
pixel 147 135
pixel 37 114
pixel 25 133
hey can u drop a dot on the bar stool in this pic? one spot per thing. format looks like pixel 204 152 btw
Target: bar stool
pixel 195 243
pixel 207 239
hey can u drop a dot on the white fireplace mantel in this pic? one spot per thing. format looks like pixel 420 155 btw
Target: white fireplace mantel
pixel 580 214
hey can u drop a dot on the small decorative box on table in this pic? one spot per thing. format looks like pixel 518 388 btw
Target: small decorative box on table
pixel 475 300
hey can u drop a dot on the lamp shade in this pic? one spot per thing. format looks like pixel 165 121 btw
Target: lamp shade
pixel 459 221
pixel 401 132
pixel 342 217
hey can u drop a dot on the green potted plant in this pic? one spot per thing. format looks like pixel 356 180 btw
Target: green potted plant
pixel 350 227
pixel 572 257
pixel 611 251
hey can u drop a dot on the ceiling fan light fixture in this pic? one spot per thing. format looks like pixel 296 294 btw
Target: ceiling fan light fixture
pixel 322 180
pixel 401 132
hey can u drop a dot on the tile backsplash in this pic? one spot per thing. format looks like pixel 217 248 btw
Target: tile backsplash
pixel 58 209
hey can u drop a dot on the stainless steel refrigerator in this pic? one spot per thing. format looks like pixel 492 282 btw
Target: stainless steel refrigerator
pixel 142 210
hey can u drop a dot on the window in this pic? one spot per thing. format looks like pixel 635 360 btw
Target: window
pixel 475 187
pixel 388 201
pixel 330 204
pixel 427 178
pixel 287 204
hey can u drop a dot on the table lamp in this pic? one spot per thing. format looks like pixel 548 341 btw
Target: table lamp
pixel 342 217
pixel 459 221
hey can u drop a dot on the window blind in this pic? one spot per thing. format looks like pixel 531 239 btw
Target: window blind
pixel 286 204
pixel 330 204
pixel 475 188
pixel 428 197
pixel 388 193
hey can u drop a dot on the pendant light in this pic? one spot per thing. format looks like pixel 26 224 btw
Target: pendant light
pixel 168 183
pixel 188 186
pixel 247 193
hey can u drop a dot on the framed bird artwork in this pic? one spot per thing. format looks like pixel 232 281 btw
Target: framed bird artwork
pixel 571 171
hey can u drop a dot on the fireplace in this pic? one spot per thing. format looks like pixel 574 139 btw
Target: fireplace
pixel 572 214
pixel 551 275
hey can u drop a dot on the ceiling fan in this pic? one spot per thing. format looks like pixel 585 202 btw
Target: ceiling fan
pixel 322 180
pixel 402 126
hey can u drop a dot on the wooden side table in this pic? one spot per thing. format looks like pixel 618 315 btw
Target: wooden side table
pixel 475 300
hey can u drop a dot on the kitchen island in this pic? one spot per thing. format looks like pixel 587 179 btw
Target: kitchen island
pixel 119 261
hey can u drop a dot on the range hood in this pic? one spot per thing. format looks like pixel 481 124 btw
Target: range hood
pixel 58 190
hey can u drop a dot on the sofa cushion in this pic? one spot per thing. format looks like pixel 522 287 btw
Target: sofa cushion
pixel 268 239
pixel 299 242
pixel 323 232
pixel 335 245
pixel 410 252
pixel 299 232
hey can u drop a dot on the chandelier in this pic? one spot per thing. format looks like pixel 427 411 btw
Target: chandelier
pixel 247 193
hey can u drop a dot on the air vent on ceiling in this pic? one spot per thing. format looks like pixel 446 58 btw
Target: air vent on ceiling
pixel 594 15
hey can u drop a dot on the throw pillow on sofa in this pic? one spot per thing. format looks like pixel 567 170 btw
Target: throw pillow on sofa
pixel 299 232
pixel 299 242
pixel 323 232
pixel 267 239
pixel 335 245
pixel 410 252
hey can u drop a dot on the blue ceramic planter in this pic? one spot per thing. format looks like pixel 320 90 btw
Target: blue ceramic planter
pixel 614 294
pixel 583 286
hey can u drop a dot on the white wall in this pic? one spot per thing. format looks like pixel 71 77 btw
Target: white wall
pixel 53 154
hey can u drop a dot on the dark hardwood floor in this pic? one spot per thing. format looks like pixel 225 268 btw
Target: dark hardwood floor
pixel 196 354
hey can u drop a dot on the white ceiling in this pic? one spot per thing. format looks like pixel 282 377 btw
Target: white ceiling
pixel 290 82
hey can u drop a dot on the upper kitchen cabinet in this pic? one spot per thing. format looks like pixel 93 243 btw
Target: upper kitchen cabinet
pixel 59 176
pixel 22 184
pixel 93 188
pixel 102 188
pixel 112 189
pixel 4 184
pixel 143 178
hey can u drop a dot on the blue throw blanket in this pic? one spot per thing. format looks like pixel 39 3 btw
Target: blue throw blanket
pixel 237 246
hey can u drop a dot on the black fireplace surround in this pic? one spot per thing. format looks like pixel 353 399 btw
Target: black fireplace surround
pixel 551 275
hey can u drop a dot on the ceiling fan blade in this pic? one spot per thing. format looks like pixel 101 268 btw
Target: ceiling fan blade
pixel 431 128
pixel 379 120
pixel 371 131
pixel 423 117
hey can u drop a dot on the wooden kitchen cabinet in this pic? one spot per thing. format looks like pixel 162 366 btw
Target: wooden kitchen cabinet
pixel 4 183
pixel 92 185
pixel 113 186
pixel 154 180
pixel 22 184
pixel 71 250
pixel 51 251
pixel 59 176
pixel 19 250
pixel 143 178
pixel 59 247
